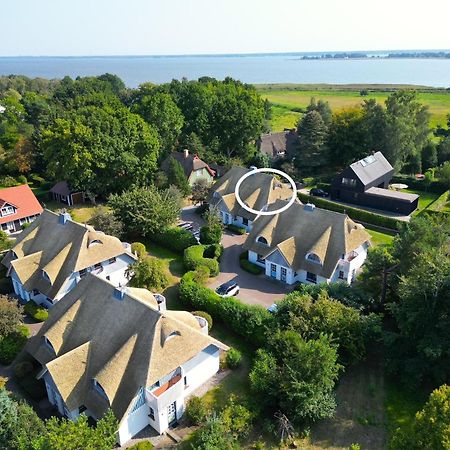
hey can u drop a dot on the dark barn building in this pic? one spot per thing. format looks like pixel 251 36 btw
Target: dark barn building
pixel 366 183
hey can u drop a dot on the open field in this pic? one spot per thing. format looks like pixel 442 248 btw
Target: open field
pixel 290 100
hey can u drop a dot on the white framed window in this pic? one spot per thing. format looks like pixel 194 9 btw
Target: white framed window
pixel 349 182
pixel 7 211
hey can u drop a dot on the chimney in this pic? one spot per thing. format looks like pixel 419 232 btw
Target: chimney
pixel 64 217
pixel 186 152
pixel 309 207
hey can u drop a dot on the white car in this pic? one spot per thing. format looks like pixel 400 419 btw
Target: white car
pixel 228 289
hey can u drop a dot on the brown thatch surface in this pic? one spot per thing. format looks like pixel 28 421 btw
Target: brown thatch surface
pixel 124 344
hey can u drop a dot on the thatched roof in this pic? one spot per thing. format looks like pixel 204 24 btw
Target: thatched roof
pixel 124 344
pixel 58 249
pixel 299 231
pixel 256 191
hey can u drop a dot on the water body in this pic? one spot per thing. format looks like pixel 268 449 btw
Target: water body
pixel 270 68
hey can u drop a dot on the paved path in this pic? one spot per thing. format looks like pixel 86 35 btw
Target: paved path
pixel 254 289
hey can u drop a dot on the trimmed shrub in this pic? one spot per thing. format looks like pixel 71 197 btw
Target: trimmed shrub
pixel 233 358
pixel 248 321
pixel 37 180
pixel 196 410
pixel 357 214
pixel 206 316
pixel 213 251
pixel 211 234
pixel 175 239
pixel 22 179
pixel 236 229
pixel 12 344
pixel 250 267
pixel 194 257
pixel 23 368
pixel 201 274
pixel 143 445
pixel 35 311
pixel 139 249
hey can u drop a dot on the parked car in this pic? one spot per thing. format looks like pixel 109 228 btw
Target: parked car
pixel 273 308
pixel 318 193
pixel 228 289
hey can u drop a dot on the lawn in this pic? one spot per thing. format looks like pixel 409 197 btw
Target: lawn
pixel 380 238
pixel 287 99
pixel 425 199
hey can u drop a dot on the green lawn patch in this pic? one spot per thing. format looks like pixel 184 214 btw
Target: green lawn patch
pixel 380 238
pixel 425 199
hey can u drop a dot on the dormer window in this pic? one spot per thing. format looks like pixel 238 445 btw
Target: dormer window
pixel 49 344
pixel 46 277
pixel 312 257
pixel 262 240
pixel 95 242
pixel 349 182
pixel 172 335
pixel 98 387
pixel 7 211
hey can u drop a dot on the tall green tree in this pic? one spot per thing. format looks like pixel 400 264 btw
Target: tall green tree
pixel 312 152
pixel 101 150
pixel 407 129
pixel 296 376
pixel 144 211
pixel 430 429
pixel 10 316
pixel 148 273
pixel 159 110
pixel 323 108
pixel 176 177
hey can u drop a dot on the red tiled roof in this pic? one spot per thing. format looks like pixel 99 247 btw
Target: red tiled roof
pixel 23 199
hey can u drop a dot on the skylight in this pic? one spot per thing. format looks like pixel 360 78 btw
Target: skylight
pixel 368 160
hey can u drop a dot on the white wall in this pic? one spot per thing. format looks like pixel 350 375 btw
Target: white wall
pixel 133 423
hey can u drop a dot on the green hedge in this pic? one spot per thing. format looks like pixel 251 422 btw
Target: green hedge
pixel 440 202
pixel 250 267
pixel 248 321
pixel 12 344
pixel 194 257
pixel 175 239
pixel 211 234
pixel 435 186
pixel 236 229
pixel 35 311
pixel 143 445
pixel 357 214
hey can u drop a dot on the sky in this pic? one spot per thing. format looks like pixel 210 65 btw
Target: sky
pixel 176 27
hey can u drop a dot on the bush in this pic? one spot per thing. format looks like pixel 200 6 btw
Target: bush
pixel 35 311
pixel 233 358
pixel 206 316
pixel 23 368
pixel 201 275
pixel 149 273
pixel 193 258
pixel 37 180
pixel 213 251
pixel 196 410
pixel 248 321
pixel 25 225
pixel 175 239
pixel 143 445
pixel 8 181
pixel 12 344
pixel 211 234
pixel 354 213
pixel 250 267
pixel 22 179
pixel 236 229
pixel 237 419
pixel 139 249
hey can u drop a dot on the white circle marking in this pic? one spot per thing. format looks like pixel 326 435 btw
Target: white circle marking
pixel 269 170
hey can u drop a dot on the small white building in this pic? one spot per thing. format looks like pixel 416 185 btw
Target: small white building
pixel 106 347
pixel 256 191
pixel 54 253
pixel 308 245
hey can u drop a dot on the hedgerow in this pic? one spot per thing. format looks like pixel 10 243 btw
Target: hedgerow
pixel 194 257
pixel 175 239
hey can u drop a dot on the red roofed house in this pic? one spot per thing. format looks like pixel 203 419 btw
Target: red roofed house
pixel 18 205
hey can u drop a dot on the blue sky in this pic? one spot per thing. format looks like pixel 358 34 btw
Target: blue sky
pixel 152 27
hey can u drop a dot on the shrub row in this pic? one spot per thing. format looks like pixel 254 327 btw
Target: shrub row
pixel 194 257
pixel 12 344
pixel 248 321
pixel 175 239
pixel 440 202
pixel 421 185
pixel 357 214
pixel 236 229
pixel 250 267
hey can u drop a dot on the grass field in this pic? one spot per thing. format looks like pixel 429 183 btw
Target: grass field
pixel 380 238
pixel 287 100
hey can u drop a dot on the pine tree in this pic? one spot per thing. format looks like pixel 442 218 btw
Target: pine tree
pixel 177 177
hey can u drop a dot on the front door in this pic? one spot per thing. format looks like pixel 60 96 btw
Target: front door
pixel 273 270
pixel 283 274
pixel 172 413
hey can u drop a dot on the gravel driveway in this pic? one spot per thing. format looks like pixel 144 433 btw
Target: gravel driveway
pixel 254 289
